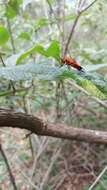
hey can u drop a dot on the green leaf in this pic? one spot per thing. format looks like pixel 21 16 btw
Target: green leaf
pixel 4 35
pixel 41 22
pixel 35 49
pixel 50 1
pixel 96 85
pixel 95 67
pixel 28 71
pixel 10 12
pixel 91 88
pixel 24 35
pixel 12 8
pixel 52 51
pixel 70 17
pixel 97 79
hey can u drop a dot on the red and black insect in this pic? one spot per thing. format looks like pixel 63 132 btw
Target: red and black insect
pixel 71 62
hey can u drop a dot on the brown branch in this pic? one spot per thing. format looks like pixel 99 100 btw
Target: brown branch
pixel 9 118
pixel 71 33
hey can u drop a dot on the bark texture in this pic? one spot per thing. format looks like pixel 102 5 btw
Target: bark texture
pixel 10 118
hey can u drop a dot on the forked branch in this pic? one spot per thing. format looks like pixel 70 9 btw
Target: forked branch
pixel 74 25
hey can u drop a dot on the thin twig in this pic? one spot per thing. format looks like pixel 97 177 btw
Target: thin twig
pixel 8 168
pixel 27 178
pixel 12 44
pixel 10 32
pixel 45 178
pixel 51 8
pixel 27 110
pixel 2 60
pixel 80 5
pixel 74 25
pixel 98 178
pixel 68 103
pixel 10 92
pixel 41 150
pixel 100 182
pixel 60 183
pixel 88 6
pixel 58 91
pixel 63 28
pixel 71 33
pixel 11 36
